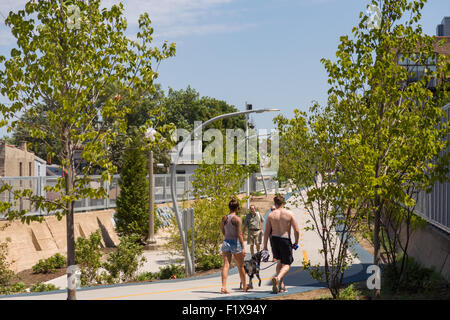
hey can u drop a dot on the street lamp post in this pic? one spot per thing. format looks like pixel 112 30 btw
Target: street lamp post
pixel 262 175
pixel 188 261
pixel 151 241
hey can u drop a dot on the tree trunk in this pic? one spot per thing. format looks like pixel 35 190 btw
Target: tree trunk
pixel 69 175
pixel 71 290
pixel 376 241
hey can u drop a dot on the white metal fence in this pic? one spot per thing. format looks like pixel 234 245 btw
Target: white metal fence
pixel 435 206
pixel 161 182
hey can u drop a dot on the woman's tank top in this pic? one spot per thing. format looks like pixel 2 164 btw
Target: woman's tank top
pixel 231 232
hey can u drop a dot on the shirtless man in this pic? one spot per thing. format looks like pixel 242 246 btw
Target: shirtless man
pixel 279 223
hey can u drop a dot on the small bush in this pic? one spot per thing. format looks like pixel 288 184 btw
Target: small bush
pixel 146 276
pixel 415 278
pixel 6 274
pixel 18 287
pixel 88 257
pixel 349 293
pixel 50 265
pixel 124 263
pixel 168 272
pixel 208 262
pixel 41 287
pixel 106 277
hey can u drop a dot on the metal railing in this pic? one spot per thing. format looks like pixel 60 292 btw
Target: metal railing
pixel 435 206
pixel 162 193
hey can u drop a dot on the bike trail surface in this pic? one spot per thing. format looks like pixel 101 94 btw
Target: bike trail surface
pixel 208 287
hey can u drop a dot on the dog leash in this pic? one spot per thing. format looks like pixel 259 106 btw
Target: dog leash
pixel 266 267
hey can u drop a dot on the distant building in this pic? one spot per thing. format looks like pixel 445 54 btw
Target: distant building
pixel 443 29
pixel 190 157
pixel 16 162
pixel 40 167
pixel 416 71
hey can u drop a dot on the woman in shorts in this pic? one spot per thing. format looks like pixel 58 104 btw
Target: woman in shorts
pixel 233 244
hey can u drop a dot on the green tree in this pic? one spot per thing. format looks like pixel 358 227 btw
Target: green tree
pixel 380 137
pixel 184 107
pixel 214 186
pixel 333 204
pixel 66 61
pixel 393 128
pixel 132 204
pixel 36 118
pixel 149 108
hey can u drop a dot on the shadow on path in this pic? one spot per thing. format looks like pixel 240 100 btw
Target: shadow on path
pixel 299 280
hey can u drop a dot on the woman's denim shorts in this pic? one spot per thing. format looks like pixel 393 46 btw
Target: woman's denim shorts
pixel 232 246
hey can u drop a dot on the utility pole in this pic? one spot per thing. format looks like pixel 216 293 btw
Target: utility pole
pixel 248 107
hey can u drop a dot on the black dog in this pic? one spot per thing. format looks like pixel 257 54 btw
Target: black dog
pixel 252 268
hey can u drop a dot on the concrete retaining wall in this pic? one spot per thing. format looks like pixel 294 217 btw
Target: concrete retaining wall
pixel 30 243
pixel 430 247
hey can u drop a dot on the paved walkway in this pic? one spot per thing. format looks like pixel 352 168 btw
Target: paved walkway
pixel 208 287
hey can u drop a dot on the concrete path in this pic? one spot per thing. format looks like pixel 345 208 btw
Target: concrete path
pixel 208 287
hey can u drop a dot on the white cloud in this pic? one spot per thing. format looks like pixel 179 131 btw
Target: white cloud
pixel 176 18
pixel 168 12
pixel 6 6
pixel 170 18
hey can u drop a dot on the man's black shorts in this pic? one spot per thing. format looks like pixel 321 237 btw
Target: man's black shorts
pixel 282 249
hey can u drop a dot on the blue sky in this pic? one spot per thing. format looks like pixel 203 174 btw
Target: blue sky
pixel 265 52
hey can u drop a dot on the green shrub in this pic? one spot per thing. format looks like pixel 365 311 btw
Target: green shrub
pixel 349 293
pixel 6 274
pixel 49 265
pixel 88 257
pixel 107 278
pixel 168 272
pixel 415 278
pixel 41 287
pixel 208 262
pixel 15 288
pixel 123 264
pixel 146 276
pixel 18 287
